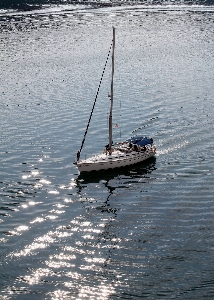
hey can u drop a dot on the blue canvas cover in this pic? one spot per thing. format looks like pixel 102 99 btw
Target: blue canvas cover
pixel 140 140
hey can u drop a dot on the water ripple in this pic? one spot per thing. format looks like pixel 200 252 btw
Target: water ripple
pixel 142 231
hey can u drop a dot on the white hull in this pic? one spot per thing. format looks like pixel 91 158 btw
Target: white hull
pixel 117 159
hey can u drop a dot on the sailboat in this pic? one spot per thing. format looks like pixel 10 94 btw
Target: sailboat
pixel 129 152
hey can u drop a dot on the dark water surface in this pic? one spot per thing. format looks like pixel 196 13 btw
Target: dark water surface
pixel 142 232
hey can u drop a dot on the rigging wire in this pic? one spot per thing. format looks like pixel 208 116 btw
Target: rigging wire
pixel 78 153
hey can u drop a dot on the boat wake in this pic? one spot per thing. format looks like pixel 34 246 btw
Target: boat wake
pixel 172 148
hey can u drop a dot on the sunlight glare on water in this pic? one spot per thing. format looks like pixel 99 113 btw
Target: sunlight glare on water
pixel 144 231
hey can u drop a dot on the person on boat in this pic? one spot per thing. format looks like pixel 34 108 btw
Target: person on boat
pixel 108 149
pixel 78 156
pixel 135 148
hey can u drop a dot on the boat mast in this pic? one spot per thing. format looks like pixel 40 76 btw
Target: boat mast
pixel 111 95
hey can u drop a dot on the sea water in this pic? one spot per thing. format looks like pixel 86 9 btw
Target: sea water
pixel 141 232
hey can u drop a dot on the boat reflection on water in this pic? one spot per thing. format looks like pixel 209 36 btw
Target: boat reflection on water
pixel 106 197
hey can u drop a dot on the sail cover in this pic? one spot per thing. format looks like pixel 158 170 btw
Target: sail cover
pixel 140 140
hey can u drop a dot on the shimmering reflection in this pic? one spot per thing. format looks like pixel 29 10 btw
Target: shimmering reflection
pixel 139 232
pixel 38 220
pixel 37 275
pixel 22 227
pixel 53 192
pixel 73 262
